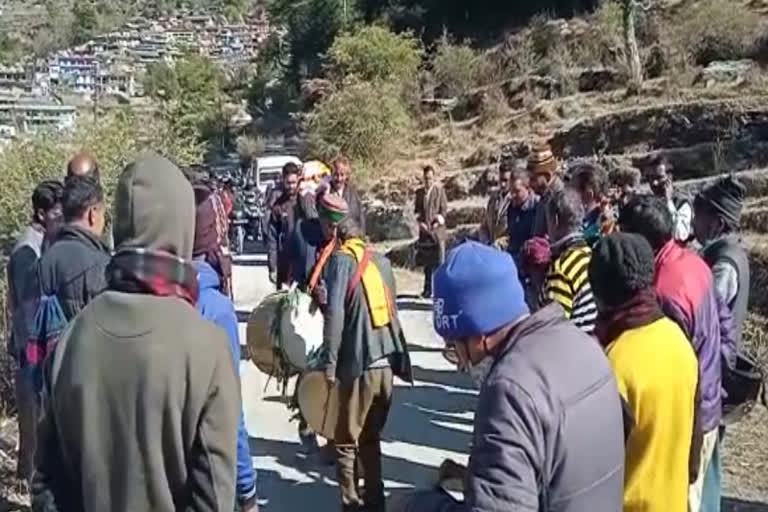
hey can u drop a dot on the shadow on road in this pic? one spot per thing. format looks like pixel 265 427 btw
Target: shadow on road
pixel 735 505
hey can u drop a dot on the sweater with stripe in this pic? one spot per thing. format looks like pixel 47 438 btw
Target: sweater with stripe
pixel 567 281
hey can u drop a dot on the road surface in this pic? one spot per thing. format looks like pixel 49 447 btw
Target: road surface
pixel 428 422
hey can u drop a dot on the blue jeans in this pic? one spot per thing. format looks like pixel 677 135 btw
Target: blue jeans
pixel 710 496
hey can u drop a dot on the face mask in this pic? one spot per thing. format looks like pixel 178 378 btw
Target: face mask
pixel 480 371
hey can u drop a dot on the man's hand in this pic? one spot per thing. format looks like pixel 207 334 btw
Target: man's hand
pixel 273 277
pixel 320 294
pixel 450 470
pixel 330 377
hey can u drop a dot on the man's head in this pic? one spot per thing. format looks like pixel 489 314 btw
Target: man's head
pixel 46 203
pixel 591 183
pixel 428 175
pixel 331 210
pixel 564 214
pixel 717 209
pixel 83 204
pixel 154 207
pixel 341 168
pixel 650 217
pixel 519 187
pixel 467 310
pixel 657 175
pixel 627 181
pixel 542 167
pixel 291 177
pixel 505 177
pixel 622 265
pixel 83 164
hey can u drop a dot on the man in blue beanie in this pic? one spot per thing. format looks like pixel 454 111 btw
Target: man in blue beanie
pixel 548 430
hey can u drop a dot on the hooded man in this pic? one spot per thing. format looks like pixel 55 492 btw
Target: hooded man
pixel 431 207
pixel 23 298
pixel 548 432
pixel 365 346
pixel 216 306
pixel 656 370
pixel 567 279
pixel 545 181
pixel 686 291
pixel 142 402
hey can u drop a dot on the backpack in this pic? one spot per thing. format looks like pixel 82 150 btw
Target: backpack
pixel 49 324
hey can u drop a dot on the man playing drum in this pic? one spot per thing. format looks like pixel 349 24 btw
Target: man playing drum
pixel 364 346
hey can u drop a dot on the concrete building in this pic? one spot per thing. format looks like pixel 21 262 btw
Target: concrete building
pixel 31 114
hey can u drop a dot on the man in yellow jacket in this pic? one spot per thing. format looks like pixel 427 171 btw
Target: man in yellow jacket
pixel 657 374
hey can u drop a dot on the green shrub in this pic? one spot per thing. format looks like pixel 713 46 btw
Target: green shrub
pixel 716 30
pixel 520 56
pixel 374 53
pixel 113 139
pixel 367 121
pixel 457 68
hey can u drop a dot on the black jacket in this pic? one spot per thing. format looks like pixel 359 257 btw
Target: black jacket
pixel 73 268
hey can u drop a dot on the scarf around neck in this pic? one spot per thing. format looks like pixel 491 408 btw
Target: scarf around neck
pixel 641 310
pixel 138 270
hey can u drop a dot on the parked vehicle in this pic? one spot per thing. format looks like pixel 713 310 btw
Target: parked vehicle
pixel 237 230
pixel 268 170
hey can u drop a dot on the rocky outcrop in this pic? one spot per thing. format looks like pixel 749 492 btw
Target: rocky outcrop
pixel 732 72
pixel 689 134
pixel 389 222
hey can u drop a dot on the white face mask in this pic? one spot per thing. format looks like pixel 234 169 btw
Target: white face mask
pixel 480 371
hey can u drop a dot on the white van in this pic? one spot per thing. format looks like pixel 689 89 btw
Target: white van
pixel 268 170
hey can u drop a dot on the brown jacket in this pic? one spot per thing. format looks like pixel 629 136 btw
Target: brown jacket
pixel 494 224
pixel 431 206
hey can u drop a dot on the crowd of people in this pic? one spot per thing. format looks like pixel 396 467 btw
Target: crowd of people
pixel 597 322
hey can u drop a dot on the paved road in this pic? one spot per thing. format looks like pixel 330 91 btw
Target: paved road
pixel 428 422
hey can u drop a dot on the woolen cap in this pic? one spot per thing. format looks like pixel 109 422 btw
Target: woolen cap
pixel 622 264
pixel 542 160
pixel 476 292
pixel 726 197
pixel 332 207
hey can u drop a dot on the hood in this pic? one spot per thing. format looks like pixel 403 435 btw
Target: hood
pixel 154 207
pixel 207 276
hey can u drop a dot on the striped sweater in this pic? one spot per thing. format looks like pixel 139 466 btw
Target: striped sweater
pixel 567 282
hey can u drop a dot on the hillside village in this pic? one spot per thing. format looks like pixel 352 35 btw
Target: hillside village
pixel 112 64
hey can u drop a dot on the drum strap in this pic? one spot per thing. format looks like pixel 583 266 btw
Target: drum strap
pixel 358 275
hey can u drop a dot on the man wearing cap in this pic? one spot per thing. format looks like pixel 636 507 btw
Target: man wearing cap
pixel 545 181
pixel 431 207
pixel 657 373
pixel 717 216
pixel 716 226
pixel 365 346
pixel 548 432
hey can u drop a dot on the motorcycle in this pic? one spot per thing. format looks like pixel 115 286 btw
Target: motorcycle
pixel 237 231
pixel 254 211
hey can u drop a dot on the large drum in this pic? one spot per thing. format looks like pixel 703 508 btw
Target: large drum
pixel 282 331
pixel 318 403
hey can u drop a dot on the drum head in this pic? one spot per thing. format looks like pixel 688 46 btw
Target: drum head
pixel 301 331
pixel 259 333
pixel 319 403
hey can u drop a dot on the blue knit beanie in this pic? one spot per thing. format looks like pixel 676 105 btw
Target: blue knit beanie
pixel 476 292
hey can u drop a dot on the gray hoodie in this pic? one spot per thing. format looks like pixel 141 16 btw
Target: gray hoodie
pixel 143 402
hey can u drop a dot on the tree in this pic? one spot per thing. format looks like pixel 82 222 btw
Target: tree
pixel 376 53
pixel 190 95
pixel 630 42
pixel 86 21
pixel 248 148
